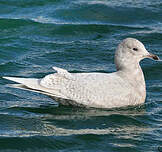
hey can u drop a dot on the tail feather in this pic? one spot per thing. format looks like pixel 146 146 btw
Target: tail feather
pixel 23 87
pixel 28 82
pixel 33 84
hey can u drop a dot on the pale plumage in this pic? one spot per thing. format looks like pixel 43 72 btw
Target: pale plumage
pixel 122 88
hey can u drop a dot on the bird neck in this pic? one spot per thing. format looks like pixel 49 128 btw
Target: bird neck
pixel 134 75
pixel 133 71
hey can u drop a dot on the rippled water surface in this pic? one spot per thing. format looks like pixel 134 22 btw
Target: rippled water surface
pixel 80 36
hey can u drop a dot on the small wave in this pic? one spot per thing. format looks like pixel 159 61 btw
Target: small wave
pixel 48 20
pixel 135 4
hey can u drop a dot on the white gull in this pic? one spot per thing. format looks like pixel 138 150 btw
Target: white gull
pixel 122 88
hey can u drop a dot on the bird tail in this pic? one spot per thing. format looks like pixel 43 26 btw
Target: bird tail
pixel 30 84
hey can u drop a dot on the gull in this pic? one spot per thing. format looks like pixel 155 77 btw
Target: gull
pixel 125 87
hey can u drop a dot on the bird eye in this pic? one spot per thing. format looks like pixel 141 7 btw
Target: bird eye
pixel 135 49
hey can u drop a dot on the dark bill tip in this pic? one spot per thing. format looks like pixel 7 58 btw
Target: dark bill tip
pixel 153 56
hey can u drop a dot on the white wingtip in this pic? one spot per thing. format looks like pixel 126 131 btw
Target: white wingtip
pixel 9 78
pixel 31 84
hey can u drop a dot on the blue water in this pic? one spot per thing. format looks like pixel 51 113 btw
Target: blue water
pixel 80 36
